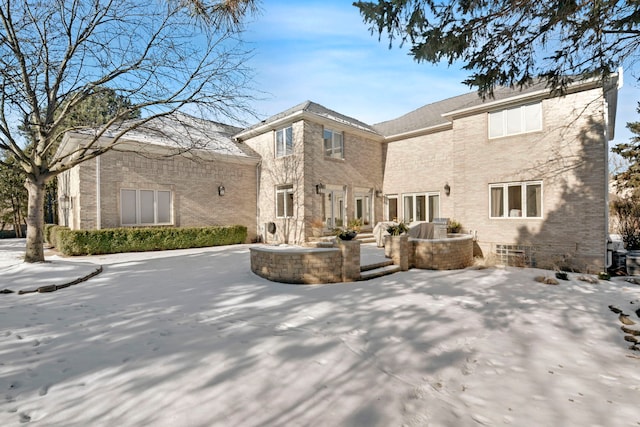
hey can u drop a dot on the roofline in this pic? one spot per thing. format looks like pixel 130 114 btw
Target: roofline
pixel 301 115
pixel 78 138
pixel 535 95
pixel 418 132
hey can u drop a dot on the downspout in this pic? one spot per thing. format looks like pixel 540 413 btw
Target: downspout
pixel 259 231
pixel 605 110
pixel 98 196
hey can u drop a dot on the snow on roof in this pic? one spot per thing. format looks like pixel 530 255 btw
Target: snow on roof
pixel 179 130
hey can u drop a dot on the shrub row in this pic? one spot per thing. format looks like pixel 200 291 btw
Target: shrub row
pixel 51 232
pixel 117 240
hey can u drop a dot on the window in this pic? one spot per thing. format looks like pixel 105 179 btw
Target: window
pixel 392 210
pixel 333 144
pixel 284 142
pixel 145 207
pixel 512 121
pixel 421 207
pixel 284 201
pixel 516 200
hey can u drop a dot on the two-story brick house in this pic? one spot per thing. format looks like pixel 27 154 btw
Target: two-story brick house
pixel 524 171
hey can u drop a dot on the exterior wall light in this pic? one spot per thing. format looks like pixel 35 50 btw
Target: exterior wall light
pixel 320 188
pixel 447 189
pixel 378 193
pixel 221 190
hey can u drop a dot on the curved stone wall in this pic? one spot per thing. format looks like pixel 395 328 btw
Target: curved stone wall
pixel 294 264
pixel 452 253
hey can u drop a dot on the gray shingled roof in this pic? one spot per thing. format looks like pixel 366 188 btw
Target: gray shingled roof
pixel 431 114
pixel 318 110
pixel 179 130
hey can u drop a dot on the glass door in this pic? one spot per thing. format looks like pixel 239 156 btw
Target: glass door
pixel 334 208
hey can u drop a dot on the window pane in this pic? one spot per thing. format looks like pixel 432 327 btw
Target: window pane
pixel 164 207
pixel 497 202
pixel 514 121
pixel 408 208
pixel 128 206
pixel 279 204
pixel 327 142
pixel 289 201
pixel 534 200
pixel 393 209
pixel 146 207
pixel 289 140
pixel 533 117
pixel 515 200
pixel 495 124
pixel 434 207
pixel 421 208
pixel 279 144
pixel 359 210
pixel 337 146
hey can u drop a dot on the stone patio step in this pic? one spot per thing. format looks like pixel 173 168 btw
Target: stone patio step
pixel 366 238
pixel 376 265
pixel 379 272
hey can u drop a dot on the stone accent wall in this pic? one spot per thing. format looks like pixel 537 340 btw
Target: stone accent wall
pixel 297 265
pixel 399 250
pixel 302 265
pixel 442 254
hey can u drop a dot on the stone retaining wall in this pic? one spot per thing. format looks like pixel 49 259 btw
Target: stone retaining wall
pixel 295 264
pixel 452 253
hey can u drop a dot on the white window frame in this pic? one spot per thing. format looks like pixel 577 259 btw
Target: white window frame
pixel 336 148
pixel 395 197
pixel 283 142
pixel 139 207
pixel 501 118
pixel 427 196
pixel 285 190
pixel 506 214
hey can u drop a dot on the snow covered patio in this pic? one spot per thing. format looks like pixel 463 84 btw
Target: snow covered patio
pixel 193 338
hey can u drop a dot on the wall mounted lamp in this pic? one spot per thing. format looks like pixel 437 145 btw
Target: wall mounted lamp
pixel 447 189
pixel 320 188
pixel 221 190
pixel 378 193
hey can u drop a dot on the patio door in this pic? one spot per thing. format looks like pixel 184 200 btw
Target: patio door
pixel 421 207
pixel 363 207
pixel 334 206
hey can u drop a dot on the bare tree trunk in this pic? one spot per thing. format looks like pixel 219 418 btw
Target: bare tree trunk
pixel 35 221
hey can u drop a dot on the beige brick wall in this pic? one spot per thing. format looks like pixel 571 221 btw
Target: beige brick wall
pixel 569 156
pixel 361 167
pixel 193 183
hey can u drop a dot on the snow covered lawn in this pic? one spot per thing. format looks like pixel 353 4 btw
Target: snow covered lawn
pixel 193 338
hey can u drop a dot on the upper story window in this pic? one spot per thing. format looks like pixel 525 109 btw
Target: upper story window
pixel 284 142
pixel 513 121
pixel 516 200
pixel 333 144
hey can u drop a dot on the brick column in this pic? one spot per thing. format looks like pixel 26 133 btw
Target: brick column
pixel 350 250
pixel 400 251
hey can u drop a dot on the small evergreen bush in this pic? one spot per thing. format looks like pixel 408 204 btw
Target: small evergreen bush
pixel 118 240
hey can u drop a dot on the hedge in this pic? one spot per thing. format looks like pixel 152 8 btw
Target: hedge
pixel 117 240
pixel 51 232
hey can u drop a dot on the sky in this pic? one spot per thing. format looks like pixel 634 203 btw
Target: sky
pixel 323 51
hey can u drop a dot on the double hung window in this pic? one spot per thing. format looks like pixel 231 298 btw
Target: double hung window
pixel 284 142
pixel 145 207
pixel 333 144
pixel 284 201
pixel 513 121
pixel 516 200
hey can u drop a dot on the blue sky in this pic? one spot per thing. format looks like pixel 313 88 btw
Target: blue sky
pixel 323 52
